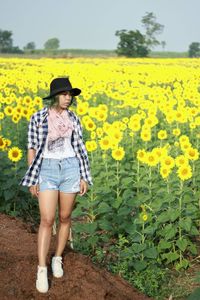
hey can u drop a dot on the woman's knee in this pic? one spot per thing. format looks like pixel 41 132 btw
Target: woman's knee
pixel 64 218
pixel 47 221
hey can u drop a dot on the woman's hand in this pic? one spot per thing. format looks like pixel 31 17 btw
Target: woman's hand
pixel 34 190
pixel 83 187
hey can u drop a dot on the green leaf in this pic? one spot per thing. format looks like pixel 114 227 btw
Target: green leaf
pixel 103 208
pixel 169 231
pixel 163 217
pixel 194 230
pixel 164 244
pixel 150 229
pixel 171 256
pixel 140 265
pixel 193 249
pixel 126 181
pixel 92 240
pixel 182 265
pixel 124 211
pixel 89 227
pixel 151 253
pixel 139 184
pixel 174 214
pixel 117 202
pixel 182 244
pixel 127 195
pixel 9 194
pixel 105 225
pixel 186 224
pixel 137 248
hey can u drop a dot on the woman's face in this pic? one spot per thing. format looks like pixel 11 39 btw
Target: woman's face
pixel 65 99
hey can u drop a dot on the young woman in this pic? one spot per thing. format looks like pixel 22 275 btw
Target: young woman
pixel 58 170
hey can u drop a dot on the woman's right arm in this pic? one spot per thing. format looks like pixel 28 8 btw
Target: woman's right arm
pixel 34 189
pixel 32 146
pixel 31 156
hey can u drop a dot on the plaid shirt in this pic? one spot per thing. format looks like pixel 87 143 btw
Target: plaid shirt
pixel 37 134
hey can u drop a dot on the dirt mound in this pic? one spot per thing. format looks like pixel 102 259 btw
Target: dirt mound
pixel 82 279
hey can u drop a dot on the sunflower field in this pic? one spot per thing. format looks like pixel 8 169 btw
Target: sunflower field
pixel 141 121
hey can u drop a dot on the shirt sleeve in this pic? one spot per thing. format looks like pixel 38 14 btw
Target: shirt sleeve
pixel 83 156
pixel 32 134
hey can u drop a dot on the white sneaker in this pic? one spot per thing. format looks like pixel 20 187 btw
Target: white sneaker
pixel 42 281
pixel 56 266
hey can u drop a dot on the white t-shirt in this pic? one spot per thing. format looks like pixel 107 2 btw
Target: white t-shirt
pixel 58 149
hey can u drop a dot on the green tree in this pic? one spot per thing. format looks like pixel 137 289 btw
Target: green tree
pixel 52 44
pixel 6 42
pixel 131 44
pixel 30 46
pixel 194 50
pixel 152 29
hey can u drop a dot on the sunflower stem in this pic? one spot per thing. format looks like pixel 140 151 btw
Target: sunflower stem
pixel 193 178
pixel 117 176
pixel 150 180
pixel 138 175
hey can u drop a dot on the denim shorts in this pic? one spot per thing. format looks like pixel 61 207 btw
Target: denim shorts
pixel 60 174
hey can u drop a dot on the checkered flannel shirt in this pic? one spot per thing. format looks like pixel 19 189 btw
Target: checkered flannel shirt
pixel 37 134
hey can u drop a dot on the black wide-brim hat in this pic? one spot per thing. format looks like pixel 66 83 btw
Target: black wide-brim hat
pixel 59 85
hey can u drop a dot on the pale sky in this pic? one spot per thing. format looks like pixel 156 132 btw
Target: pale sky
pixel 91 24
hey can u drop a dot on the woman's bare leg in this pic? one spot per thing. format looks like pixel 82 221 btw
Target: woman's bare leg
pixel 47 203
pixel 66 203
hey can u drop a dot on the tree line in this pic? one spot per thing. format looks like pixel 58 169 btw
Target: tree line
pixel 131 43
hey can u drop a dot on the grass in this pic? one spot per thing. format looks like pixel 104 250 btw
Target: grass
pixel 70 53
pixel 182 284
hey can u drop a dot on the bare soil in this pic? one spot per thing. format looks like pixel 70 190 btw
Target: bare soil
pixel 82 279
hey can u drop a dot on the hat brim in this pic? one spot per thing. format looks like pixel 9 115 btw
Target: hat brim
pixel 73 91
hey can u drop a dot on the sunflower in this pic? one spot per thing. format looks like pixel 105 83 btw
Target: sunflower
pixel 2 143
pixel 115 134
pixel 145 135
pixel 27 100
pixel 151 159
pixel 14 154
pixel 168 162
pixel 125 120
pixel 176 132
pixel 159 152
pixel 105 143
pixel 37 101
pixel 141 155
pixel 8 110
pixel 134 124
pixel 93 135
pixel 99 132
pixel 101 115
pixel 106 126
pixel 192 153
pixel 144 216
pixel 181 160
pixel 184 172
pixel 185 146
pixel 7 142
pixel 82 108
pixel 165 171
pixel 183 138
pixel 90 125
pixel 118 153
pixel 1 115
pixel 151 121
pixel 162 134
pixel 91 146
